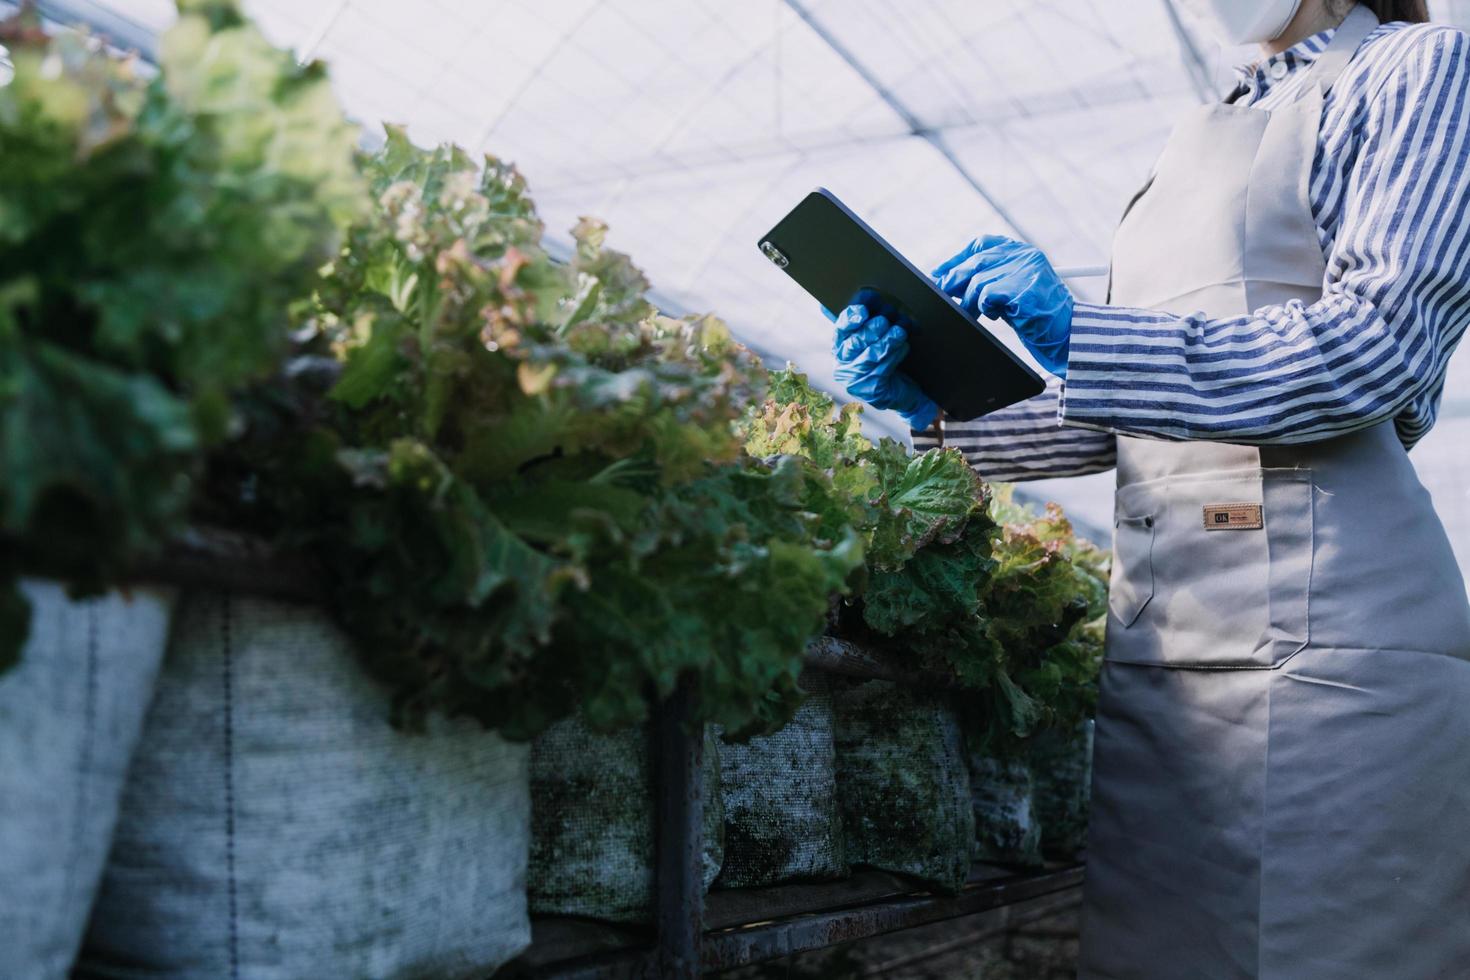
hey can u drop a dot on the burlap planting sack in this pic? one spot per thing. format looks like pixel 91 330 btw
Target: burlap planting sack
pixel 70 714
pixel 1006 829
pixel 782 819
pixel 276 826
pixel 903 783
pixel 592 804
pixel 1061 768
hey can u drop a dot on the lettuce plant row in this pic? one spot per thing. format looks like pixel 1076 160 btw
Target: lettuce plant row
pixel 529 492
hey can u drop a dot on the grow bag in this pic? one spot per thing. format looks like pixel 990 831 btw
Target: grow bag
pixel 782 819
pixel 903 783
pixel 1006 828
pixel 70 714
pixel 274 825
pixel 1061 769
pixel 592 844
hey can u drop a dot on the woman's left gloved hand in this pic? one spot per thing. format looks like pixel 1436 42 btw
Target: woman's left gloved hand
pixel 1002 278
pixel 869 348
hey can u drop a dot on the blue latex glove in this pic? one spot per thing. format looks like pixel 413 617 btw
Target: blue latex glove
pixel 1002 278
pixel 869 350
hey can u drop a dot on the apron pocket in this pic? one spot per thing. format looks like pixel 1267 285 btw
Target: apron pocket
pixel 1132 584
pixel 1212 570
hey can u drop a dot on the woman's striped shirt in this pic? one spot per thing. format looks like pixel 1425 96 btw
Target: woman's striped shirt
pixel 1390 194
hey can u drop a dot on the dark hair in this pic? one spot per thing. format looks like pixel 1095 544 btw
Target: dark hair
pixel 1413 11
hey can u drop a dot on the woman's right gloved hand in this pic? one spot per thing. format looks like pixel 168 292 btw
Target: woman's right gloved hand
pixel 869 350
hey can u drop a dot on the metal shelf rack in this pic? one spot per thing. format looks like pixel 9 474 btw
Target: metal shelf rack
pixel 695 934
pixel 692 933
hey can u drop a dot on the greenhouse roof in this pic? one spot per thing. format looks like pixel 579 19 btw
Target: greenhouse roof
pixel 690 126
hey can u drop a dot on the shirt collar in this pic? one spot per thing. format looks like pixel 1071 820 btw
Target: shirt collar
pixel 1257 77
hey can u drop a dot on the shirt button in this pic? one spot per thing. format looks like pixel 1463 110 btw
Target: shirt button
pixel 1278 70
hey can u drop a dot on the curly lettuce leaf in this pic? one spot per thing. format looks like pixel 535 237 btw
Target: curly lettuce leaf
pixel 930 499
pixel 942 583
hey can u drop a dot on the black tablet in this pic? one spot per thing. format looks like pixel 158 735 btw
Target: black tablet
pixel 839 260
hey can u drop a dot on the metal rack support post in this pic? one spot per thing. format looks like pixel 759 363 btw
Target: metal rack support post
pixel 679 885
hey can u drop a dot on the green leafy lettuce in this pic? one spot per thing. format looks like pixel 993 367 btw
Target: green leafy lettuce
pixel 525 483
pixel 153 232
pixel 959 579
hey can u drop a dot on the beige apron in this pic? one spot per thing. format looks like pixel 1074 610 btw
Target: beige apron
pixel 1282 781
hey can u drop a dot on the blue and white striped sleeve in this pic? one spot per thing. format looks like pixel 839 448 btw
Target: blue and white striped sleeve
pixel 1024 442
pixel 1395 302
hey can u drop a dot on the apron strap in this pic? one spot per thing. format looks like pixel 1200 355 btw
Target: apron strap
pixel 1349 36
pixel 1351 33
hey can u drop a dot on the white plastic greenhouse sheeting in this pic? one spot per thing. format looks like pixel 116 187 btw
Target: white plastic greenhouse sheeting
pixel 692 125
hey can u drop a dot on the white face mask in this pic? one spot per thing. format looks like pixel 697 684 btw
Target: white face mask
pixel 1245 21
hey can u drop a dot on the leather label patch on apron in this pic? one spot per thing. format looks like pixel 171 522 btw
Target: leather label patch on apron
pixel 1233 517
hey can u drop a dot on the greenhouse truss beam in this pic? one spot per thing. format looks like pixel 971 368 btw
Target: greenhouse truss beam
pixel 118 28
pixel 324 25
pixel 692 159
pixel 910 119
pixel 1194 62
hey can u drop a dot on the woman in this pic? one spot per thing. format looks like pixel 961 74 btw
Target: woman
pixel 1282 772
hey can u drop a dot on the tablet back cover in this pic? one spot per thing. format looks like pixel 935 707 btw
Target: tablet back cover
pixel 839 260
